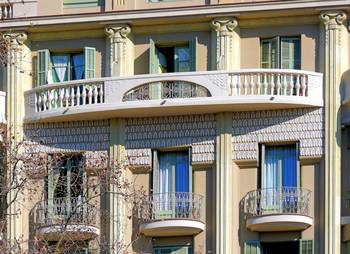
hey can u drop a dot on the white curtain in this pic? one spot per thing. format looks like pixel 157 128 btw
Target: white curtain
pixel 60 64
pixel 270 177
pixel 165 180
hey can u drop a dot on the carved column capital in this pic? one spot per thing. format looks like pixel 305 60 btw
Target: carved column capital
pixel 121 31
pixel 15 38
pixel 333 19
pixel 224 25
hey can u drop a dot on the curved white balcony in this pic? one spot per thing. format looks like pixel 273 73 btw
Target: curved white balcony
pixel 172 214
pixel 171 93
pixel 274 210
pixel 2 107
pixel 66 219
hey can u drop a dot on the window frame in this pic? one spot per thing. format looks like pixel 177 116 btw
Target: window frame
pixel 278 40
pixel 262 157
pixel 187 248
pixel 156 168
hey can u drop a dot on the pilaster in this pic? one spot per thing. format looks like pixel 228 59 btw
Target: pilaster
pixel 15 80
pixel 332 29
pixel 119 51
pixel 226 226
pixel 227 42
pixel 116 226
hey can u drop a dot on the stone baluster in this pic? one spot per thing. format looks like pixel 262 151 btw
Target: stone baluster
pixel 303 85
pixel 297 85
pixel 278 84
pixel 252 84
pixel 272 84
pixel 78 95
pixel 265 84
pixel 101 93
pixel 83 95
pixel 285 84
pixel 95 93
pixel 89 95
pixel 258 84
pixel 245 85
pixel 72 96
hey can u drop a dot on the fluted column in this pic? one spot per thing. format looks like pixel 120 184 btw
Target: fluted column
pixel 119 51
pixel 14 79
pixel 227 41
pixel 225 224
pixel 332 29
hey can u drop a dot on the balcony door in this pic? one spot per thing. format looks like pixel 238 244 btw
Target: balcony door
pixel 172 183
pixel 279 176
pixel 66 183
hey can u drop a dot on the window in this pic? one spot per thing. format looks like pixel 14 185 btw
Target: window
pixel 294 247
pixel 176 58
pixel 279 166
pixel 53 68
pixel 81 3
pixel 173 250
pixel 281 53
pixel 172 172
pixel 66 181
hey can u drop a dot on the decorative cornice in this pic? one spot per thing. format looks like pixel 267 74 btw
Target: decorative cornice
pixel 224 25
pixel 118 31
pixel 18 38
pixel 333 19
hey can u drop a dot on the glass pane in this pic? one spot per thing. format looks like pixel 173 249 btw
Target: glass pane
pixel 60 68
pixel 182 172
pixel 166 167
pixel 183 54
pixel 78 66
pixel 184 66
pixel 173 250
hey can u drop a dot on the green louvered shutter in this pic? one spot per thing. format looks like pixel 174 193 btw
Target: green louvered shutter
pixel 153 58
pixel 193 54
pixel 43 62
pixel 252 247
pixel 306 247
pixel 90 62
pixel 290 53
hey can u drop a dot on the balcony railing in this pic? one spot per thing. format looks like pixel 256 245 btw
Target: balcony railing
pixel 117 94
pixel 2 107
pixel 62 212
pixel 6 11
pixel 287 200
pixel 166 206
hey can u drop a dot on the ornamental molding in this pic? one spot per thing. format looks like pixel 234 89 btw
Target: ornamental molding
pixel 333 19
pixel 250 129
pixel 120 32
pixel 195 131
pixel 15 38
pixel 224 25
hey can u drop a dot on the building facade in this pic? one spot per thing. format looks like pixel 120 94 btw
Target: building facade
pixel 231 117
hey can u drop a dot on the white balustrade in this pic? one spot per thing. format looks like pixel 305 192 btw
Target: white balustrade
pixel 6 11
pixel 269 82
pixel 299 87
pixel 69 95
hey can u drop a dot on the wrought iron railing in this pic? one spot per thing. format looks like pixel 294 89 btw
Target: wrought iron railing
pixel 286 200
pixel 179 205
pixel 167 90
pixel 63 212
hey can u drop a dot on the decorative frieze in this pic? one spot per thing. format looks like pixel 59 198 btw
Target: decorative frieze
pixel 144 134
pixel 68 136
pixel 278 126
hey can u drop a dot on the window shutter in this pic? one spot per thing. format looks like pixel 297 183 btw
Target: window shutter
pixel 193 54
pixel 153 59
pixel 306 247
pixel 252 247
pixel 290 53
pixel 155 168
pixel 43 62
pixel 90 62
pixel 275 53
